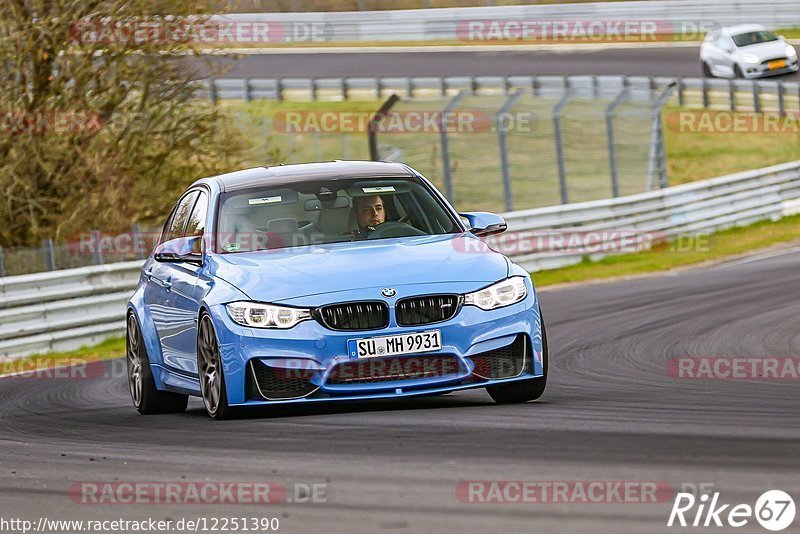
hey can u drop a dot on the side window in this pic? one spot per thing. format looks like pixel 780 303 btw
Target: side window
pixel 180 214
pixel 197 219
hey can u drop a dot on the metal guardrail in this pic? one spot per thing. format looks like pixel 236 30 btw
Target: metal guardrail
pixel 447 24
pixel 688 209
pixel 743 95
pixel 68 309
pixel 64 310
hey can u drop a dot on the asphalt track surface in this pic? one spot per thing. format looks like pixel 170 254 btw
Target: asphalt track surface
pixel 611 412
pixel 641 61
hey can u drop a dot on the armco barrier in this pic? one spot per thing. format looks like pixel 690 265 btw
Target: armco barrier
pixel 67 309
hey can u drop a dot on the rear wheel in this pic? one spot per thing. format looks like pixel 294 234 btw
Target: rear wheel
pixel 707 70
pixel 145 396
pixel 209 367
pixel 528 390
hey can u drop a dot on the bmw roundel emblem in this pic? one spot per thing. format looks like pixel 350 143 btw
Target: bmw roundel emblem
pixel 388 292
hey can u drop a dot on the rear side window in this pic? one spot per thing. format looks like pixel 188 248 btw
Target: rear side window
pixel 197 219
pixel 177 221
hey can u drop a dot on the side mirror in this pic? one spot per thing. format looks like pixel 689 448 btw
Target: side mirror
pixel 180 250
pixel 482 223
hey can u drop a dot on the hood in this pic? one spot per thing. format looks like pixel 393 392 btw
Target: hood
pixel 765 51
pixel 282 274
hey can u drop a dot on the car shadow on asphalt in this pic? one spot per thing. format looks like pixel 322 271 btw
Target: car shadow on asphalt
pixel 438 402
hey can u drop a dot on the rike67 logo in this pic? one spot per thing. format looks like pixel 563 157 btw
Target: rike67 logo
pixel 774 510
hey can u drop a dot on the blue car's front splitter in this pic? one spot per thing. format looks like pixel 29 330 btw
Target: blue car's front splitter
pixel 395 394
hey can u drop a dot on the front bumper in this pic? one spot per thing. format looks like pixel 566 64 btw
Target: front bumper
pixel 312 356
pixel 763 71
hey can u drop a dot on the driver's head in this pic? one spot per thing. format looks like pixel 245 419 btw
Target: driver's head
pixel 369 211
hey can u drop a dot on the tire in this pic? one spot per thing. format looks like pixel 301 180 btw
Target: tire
pixel 706 70
pixel 147 399
pixel 209 369
pixel 737 72
pixel 518 392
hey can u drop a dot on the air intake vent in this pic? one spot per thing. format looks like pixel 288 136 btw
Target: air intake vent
pixel 505 362
pixel 376 370
pixel 426 310
pixel 275 383
pixel 368 315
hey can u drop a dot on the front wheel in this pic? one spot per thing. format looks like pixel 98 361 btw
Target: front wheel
pixel 209 368
pixel 737 72
pixel 707 71
pixel 527 390
pixel 146 397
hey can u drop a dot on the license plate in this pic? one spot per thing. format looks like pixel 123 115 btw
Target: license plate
pixel 777 64
pixel 374 347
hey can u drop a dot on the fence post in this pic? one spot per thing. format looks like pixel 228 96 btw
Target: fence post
pixel 657 160
pixel 559 140
pixel 410 87
pixel 138 252
pixel 781 94
pixel 372 127
pixel 246 89
pixel 314 89
pixel 681 95
pixel 706 101
pixel 612 143
pixel 732 94
pixel 501 138
pixel 345 89
pixel 447 170
pixel 96 243
pixel 756 97
pixel 49 255
pixel 2 263
pixel 378 88
pixel 212 91
pixel 278 89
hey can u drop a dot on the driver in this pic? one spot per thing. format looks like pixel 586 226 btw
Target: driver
pixel 370 212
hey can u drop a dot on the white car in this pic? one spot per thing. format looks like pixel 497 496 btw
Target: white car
pixel 746 51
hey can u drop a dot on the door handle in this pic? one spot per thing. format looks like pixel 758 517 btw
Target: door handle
pixel 148 272
pixel 167 284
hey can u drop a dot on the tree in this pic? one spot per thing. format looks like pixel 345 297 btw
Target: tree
pixel 100 124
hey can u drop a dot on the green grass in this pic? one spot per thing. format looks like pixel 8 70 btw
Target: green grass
pixel 111 348
pixel 695 156
pixel 665 256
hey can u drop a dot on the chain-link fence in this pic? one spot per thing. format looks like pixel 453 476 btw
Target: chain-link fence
pixel 530 148
pixel 89 248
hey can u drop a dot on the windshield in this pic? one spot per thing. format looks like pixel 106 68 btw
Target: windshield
pixel 329 211
pixel 751 38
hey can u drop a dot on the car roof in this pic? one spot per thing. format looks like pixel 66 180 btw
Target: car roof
pixel 308 172
pixel 742 28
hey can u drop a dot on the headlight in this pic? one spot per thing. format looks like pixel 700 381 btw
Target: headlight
pixel 505 293
pixel 266 315
pixel 750 58
pixel 790 51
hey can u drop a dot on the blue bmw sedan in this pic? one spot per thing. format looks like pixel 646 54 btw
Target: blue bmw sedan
pixel 339 281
